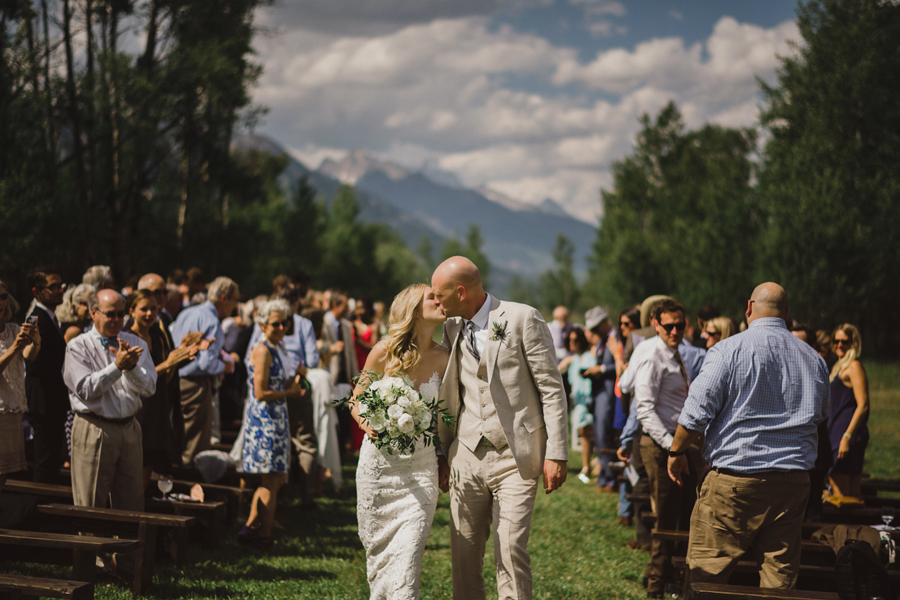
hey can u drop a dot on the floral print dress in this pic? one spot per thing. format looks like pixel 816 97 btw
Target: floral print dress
pixel 267 439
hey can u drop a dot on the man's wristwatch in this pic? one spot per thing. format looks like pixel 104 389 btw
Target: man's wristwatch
pixel 673 453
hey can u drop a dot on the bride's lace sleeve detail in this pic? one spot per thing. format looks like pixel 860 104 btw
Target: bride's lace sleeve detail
pixel 432 387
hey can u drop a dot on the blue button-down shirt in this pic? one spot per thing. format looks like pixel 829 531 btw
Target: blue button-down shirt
pixel 759 398
pixel 203 318
pixel 299 346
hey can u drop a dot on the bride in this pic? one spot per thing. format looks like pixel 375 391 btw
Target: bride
pixel 397 493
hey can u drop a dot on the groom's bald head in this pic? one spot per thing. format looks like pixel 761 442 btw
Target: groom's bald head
pixel 457 286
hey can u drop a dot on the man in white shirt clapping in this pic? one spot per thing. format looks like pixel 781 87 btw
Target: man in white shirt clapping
pixel 107 372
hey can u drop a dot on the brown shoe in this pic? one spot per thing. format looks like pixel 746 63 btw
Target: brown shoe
pixel 605 489
pixel 624 521
pixel 636 545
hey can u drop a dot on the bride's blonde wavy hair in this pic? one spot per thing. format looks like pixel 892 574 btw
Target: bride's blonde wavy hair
pixel 402 352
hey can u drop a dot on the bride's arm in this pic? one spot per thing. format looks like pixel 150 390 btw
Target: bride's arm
pixel 374 365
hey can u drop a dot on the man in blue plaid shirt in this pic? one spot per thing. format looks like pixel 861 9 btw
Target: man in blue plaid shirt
pixel 758 400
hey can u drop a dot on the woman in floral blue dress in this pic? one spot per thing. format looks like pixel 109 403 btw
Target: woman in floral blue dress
pixel 267 441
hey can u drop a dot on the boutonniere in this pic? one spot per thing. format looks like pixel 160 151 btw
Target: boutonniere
pixel 498 331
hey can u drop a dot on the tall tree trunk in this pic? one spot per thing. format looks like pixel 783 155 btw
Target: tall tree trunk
pixel 115 192
pixel 48 95
pixel 74 113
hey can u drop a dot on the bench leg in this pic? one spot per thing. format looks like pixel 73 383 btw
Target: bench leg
pixel 84 565
pixel 145 558
pixel 179 545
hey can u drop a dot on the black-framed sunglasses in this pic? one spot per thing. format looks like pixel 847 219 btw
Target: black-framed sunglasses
pixel 281 324
pixel 625 324
pixel 713 333
pixel 114 314
pixel 679 326
pixel 56 287
pixel 842 342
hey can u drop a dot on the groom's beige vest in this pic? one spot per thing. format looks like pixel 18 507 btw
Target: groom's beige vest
pixel 478 417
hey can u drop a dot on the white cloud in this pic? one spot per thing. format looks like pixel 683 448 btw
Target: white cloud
pixel 440 91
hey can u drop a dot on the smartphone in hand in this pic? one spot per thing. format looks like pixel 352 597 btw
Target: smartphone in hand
pixel 32 320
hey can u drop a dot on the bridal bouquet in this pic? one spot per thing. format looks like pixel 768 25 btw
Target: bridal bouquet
pixel 398 413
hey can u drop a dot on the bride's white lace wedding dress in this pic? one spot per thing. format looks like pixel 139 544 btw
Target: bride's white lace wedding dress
pixel 396 498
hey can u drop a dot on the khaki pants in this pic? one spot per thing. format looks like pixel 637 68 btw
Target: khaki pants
pixel 760 514
pixel 304 441
pixel 196 405
pixel 107 464
pixel 485 488
pixel 672 504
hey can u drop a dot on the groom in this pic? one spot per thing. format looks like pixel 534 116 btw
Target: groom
pixel 503 388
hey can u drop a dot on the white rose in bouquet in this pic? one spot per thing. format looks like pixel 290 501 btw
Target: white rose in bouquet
pixel 394 411
pixel 406 424
pixel 376 421
pixel 425 420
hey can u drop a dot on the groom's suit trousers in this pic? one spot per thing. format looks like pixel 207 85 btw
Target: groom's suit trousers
pixel 486 487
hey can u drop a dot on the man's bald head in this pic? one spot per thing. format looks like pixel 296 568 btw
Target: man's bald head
pixel 768 300
pixel 107 312
pixel 151 282
pixel 457 287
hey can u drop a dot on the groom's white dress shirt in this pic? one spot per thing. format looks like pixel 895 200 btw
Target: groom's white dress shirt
pixel 480 322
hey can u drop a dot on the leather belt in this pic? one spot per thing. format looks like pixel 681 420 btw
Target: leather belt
pixel 122 421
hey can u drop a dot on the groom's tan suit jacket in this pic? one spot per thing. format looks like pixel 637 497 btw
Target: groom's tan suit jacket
pixel 524 382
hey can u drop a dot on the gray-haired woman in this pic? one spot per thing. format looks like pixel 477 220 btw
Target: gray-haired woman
pixel 73 314
pixel 267 440
pixel 16 343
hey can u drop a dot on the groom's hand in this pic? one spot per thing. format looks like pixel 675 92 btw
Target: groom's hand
pixel 443 474
pixel 555 472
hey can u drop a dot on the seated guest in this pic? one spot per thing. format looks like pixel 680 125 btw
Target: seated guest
pixel 48 397
pixel 579 360
pixel 760 439
pixel 107 372
pixel 848 423
pixel 155 416
pixel 716 330
pixel 73 314
pixel 267 440
pixel 16 343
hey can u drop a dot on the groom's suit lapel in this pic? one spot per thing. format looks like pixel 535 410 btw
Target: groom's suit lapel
pixel 492 346
pixel 451 378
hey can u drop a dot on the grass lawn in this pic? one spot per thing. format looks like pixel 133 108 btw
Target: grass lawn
pixel 577 550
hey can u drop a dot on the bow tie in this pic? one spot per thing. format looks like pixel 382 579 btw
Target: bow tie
pixel 109 343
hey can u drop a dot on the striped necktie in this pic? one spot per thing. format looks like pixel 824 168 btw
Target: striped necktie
pixel 687 381
pixel 470 340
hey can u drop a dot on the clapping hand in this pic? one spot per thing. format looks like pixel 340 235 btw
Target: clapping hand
pixel 126 356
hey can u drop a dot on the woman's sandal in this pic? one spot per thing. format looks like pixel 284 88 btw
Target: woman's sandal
pixel 247 535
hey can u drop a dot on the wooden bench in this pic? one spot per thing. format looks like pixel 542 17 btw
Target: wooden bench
pixel 79 551
pixel 233 497
pixel 44 490
pixel 721 591
pixel 142 525
pixel 24 587
pixel 807 547
pixel 210 514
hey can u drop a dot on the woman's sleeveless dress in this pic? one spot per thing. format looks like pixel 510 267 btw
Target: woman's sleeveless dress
pixel 267 439
pixel 843 405
pixel 396 499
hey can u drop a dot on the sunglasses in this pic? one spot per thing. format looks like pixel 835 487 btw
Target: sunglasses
pixel 625 324
pixel 677 326
pixel 280 324
pixel 114 314
pixel 843 342
pixel 714 333
pixel 56 287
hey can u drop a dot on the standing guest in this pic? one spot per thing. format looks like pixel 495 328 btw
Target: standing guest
pixel 805 333
pixel 193 284
pixel 707 313
pixel 660 389
pixel 575 365
pixel 647 329
pixel 267 440
pixel 759 400
pixel 716 330
pixel 848 427
pixel 324 413
pixel 826 348
pixel 559 329
pixel 197 376
pixel 107 371
pixel 73 314
pixel 99 276
pixel 155 416
pixel 16 343
pixel 629 321
pixel 365 333
pixel 378 314
pixel 603 380
pixel 337 331
pixel 48 397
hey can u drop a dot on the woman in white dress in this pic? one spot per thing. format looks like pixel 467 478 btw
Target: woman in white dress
pixel 397 493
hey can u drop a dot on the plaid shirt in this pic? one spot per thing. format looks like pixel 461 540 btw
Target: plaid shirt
pixel 759 398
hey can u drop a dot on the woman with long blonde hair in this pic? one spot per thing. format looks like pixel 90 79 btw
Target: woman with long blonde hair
pixel 397 493
pixel 848 423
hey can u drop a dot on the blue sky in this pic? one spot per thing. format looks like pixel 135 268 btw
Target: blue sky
pixel 531 98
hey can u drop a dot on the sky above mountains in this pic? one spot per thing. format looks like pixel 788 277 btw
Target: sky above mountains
pixel 533 98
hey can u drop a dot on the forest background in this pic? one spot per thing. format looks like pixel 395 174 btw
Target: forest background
pixel 121 154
